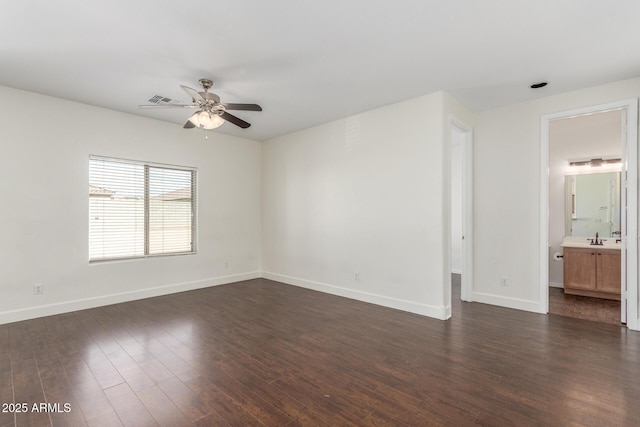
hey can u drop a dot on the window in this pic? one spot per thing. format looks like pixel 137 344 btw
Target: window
pixel 140 209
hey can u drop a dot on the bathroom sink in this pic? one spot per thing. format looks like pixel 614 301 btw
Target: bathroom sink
pixel 584 242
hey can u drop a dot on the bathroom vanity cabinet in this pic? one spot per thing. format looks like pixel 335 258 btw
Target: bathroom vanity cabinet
pixel 592 272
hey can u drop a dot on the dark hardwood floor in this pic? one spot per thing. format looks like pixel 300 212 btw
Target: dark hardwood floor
pixel 595 309
pixel 561 304
pixel 264 353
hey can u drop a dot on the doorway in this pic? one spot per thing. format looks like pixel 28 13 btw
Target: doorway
pixel 461 213
pixel 581 148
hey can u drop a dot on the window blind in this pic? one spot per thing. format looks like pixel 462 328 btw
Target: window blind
pixel 140 209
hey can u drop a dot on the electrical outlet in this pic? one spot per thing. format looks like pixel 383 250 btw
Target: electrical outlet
pixel 37 289
pixel 357 276
pixel 503 281
pixel 226 264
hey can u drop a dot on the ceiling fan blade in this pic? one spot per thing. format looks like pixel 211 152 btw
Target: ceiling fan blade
pixel 168 106
pixel 192 93
pixel 235 120
pixel 246 107
pixel 189 125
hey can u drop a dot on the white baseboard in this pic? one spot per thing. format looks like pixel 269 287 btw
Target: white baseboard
pixel 508 302
pixel 456 271
pixel 440 313
pixel 447 312
pixel 556 285
pixel 85 303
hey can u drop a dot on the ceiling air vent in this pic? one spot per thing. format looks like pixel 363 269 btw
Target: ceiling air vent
pixel 159 99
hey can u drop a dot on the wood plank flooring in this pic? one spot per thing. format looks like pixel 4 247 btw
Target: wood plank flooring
pixel 595 309
pixel 261 353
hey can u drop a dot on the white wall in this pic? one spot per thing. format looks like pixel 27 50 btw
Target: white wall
pixel 360 208
pixel 507 192
pixel 46 143
pixel 369 194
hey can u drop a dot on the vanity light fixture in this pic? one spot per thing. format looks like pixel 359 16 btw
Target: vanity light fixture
pixel 596 162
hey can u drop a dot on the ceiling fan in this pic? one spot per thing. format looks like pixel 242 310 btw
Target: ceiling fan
pixel 211 112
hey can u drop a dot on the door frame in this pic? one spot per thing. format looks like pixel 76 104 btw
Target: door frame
pixel 630 166
pixel 466 152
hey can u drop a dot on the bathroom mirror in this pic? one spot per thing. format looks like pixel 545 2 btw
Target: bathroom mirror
pixel 592 204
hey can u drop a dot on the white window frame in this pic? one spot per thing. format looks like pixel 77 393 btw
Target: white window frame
pixel 146 200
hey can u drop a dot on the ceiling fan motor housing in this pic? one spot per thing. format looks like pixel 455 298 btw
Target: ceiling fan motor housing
pixel 206 83
pixel 210 98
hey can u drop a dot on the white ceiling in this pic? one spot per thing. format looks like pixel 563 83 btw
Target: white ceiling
pixel 585 137
pixel 308 62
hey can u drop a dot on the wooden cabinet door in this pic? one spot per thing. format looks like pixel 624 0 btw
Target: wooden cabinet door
pixel 580 268
pixel 608 271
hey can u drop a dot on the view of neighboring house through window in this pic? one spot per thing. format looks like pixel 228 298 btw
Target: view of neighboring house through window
pixel 139 209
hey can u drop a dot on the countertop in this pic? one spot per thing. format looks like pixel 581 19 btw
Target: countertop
pixel 584 242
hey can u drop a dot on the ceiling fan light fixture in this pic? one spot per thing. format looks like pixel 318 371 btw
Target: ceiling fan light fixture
pixel 205 120
pixel 194 119
pixel 211 121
